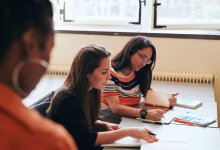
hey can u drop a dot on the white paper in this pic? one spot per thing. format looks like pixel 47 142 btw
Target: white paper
pixel 169 116
pixel 126 142
pixel 166 143
pixel 188 103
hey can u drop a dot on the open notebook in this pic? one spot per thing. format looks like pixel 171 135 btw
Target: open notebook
pixel 162 99
pixel 164 142
pixel 157 98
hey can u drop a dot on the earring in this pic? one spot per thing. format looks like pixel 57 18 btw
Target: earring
pixel 17 70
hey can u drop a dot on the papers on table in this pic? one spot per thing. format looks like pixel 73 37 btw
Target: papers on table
pixel 193 104
pixel 170 142
pixel 126 142
pixel 167 143
pixel 194 119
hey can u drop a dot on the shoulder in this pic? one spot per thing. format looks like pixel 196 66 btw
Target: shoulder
pixel 65 102
pixel 64 96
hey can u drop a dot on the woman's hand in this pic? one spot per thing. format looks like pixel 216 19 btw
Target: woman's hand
pixel 155 114
pixel 112 126
pixel 173 100
pixel 142 133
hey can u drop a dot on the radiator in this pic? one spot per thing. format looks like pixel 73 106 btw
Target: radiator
pixel 61 70
pixel 190 77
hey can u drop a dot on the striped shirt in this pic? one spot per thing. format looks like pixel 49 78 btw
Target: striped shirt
pixel 125 87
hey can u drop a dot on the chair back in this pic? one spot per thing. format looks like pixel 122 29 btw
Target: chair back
pixel 42 104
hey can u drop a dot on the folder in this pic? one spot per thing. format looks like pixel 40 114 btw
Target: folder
pixel 194 119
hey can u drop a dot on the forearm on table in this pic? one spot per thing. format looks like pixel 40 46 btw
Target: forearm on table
pixel 111 136
pixel 100 125
pixel 127 111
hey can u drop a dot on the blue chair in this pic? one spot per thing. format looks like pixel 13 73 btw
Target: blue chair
pixel 42 104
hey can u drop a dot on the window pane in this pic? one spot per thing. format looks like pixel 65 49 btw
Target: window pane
pixel 189 12
pixel 96 11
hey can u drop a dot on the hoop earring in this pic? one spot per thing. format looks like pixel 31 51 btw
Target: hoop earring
pixel 17 70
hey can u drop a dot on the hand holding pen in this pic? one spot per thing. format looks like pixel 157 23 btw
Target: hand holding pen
pixel 144 134
pixel 155 114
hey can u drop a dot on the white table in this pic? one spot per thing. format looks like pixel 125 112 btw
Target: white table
pixel 45 86
pixel 197 138
pixel 194 91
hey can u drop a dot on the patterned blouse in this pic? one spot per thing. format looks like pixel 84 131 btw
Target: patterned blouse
pixel 125 87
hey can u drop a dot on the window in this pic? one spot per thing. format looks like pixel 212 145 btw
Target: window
pixel 189 14
pixel 120 14
pixel 96 12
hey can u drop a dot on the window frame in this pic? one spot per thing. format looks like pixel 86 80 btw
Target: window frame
pixel 145 28
pixel 97 21
pixel 213 26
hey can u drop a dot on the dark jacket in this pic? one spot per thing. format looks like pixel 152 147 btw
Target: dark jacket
pixel 67 110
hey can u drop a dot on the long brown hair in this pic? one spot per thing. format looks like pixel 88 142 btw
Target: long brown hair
pixel 85 62
pixel 122 60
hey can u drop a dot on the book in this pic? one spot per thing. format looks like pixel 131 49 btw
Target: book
pixel 194 119
pixel 193 104
pixel 159 122
pixel 157 98
pixel 151 107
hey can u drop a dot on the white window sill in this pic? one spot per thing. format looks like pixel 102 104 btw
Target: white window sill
pixel 131 30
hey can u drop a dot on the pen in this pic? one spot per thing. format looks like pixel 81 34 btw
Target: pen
pixel 161 114
pixel 151 133
pixel 184 121
pixel 150 121
pixel 171 107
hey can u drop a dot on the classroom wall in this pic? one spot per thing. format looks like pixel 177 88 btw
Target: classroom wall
pixel 184 55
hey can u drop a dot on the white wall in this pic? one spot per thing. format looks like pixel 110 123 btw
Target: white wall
pixel 172 54
pixel 190 55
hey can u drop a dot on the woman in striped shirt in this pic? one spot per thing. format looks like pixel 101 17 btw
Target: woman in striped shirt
pixel 131 77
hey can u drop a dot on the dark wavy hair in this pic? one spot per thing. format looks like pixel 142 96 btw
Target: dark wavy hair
pixel 18 16
pixel 122 60
pixel 85 62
